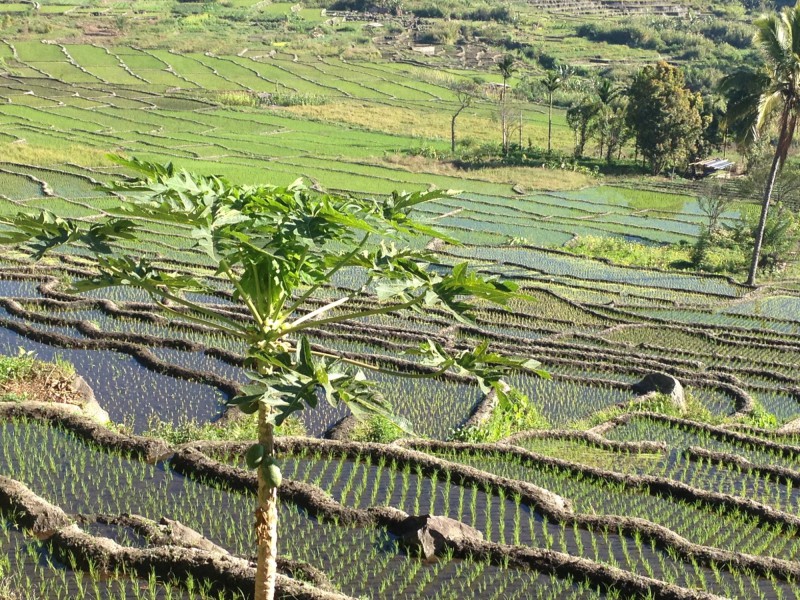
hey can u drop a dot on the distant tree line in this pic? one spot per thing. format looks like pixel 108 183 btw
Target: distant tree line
pixel 668 123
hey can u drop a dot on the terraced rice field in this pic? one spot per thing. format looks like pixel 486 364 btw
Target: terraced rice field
pixel 682 517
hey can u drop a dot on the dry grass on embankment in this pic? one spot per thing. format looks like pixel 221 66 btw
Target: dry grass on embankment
pixel 529 178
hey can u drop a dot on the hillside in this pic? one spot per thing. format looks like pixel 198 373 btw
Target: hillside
pixel 587 489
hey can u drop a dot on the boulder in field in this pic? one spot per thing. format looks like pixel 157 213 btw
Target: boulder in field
pixel 661 383
pixel 427 535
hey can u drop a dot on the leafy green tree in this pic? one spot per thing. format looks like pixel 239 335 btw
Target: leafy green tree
pixel 664 114
pixel 552 81
pixel 769 97
pixel 606 92
pixel 279 249
pixel 612 126
pixel 580 117
pixel 609 124
pixel 507 67
pixel 715 133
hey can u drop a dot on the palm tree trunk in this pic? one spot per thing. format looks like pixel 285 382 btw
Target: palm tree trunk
pixel 266 518
pixel 503 117
pixel 762 222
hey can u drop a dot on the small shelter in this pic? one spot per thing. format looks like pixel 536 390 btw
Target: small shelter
pixel 704 168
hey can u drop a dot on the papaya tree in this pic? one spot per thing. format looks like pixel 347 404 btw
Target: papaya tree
pixel 294 259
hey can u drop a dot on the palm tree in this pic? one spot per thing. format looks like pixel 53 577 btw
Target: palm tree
pixel 606 92
pixel 507 67
pixel 777 101
pixel 742 90
pixel 552 81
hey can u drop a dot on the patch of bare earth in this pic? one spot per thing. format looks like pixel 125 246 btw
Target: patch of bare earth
pixel 43 383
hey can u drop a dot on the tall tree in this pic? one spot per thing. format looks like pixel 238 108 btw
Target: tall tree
pixel 552 81
pixel 606 93
pixel 278 249
pixel 465 94
pixel 742 90
pixel 580 117
pixel 507 66
pixel 770 97
pixel 611 126
pixel 665 115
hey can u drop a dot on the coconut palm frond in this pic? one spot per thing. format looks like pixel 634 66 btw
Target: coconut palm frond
pixel 768 105
pixel 773 38
pixel 742 91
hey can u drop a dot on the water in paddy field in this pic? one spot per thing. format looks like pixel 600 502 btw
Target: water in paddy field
pixel 354 559
pixel 19 288
pixel 131 393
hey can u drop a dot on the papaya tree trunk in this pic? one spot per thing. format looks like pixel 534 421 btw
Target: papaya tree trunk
pixel 762 222
pixel 266 518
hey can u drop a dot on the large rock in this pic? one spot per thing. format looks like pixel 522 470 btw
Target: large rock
pixel 790 427
pixel 427 535
pixel 661 383
pixel 342 430
pixel 89 404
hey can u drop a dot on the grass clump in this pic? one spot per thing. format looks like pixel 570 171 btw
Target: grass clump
pixel 15 368
pixel 761 417
pixel 622 252
pixel 518 414
pixel 22 378
pixel 6 591
pixel 33 154
pixel 235 430
pixel 376 429
pixel 658 403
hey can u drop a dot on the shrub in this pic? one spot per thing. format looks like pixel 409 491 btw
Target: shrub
pixel 518 414
pixel 234 430
pixel 761 417
pixel 16 367
pixel 376 429
pixel 631 34
pixel 657 403
pixel 737 35
pixel 444 33
pixel 781 236
pixel 501 14
pixel 623 252
pixel 428 12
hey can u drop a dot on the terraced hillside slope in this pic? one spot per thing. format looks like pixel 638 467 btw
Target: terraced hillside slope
pixel 609 496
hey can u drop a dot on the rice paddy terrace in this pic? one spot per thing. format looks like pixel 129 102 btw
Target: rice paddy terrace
pixel 600 505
